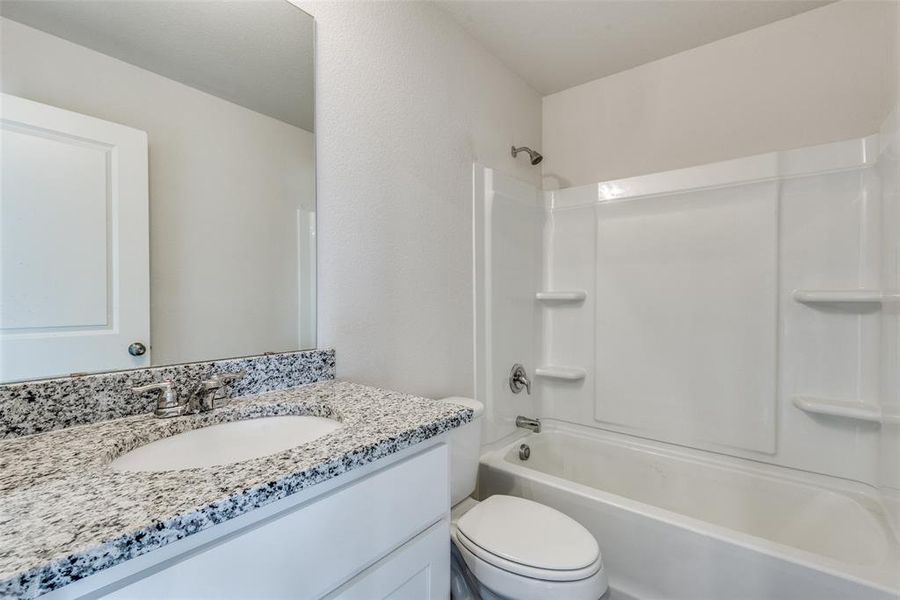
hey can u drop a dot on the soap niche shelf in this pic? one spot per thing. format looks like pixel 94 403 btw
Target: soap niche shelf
pixel 563 373
pixel 849 296
pixel 562 296
pixel 861 298
pixel 848 409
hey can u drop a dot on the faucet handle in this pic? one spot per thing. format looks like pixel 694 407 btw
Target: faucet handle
pixel 203 397
pixel 166 397
pixel 224 380
pixel 518 379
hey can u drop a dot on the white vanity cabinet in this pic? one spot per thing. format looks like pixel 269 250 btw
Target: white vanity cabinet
pixel 385 534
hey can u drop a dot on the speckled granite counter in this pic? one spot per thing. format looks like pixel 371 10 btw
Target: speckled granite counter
pixel 65 514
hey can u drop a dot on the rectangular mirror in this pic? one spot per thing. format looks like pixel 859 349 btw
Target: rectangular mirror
pixel 158 183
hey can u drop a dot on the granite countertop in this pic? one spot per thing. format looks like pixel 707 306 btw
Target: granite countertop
pixel 66 514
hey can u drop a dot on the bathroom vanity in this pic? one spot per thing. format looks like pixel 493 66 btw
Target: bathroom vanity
pixel 174 249
pixel 360 512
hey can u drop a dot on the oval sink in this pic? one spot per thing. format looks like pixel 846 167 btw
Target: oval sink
pixel 225 443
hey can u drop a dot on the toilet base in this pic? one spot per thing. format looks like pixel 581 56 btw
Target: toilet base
pixel 463 585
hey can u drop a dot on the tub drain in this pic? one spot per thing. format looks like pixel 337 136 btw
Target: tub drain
pixel 524 452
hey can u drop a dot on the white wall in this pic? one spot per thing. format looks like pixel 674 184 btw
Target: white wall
pixel 821 76
pixel 225 185
pixel 406 102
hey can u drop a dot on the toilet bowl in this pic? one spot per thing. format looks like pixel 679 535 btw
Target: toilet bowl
pixel 511 548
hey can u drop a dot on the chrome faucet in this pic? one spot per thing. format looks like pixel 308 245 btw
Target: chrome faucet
pixel 201 399
pixel 225 380
pixel 208 394
pixel 167 404
pixel 518 379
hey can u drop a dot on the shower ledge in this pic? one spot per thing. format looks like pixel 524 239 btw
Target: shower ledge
pixel 568 296
pixel 567 373
pixel 849 409
pixel 861 296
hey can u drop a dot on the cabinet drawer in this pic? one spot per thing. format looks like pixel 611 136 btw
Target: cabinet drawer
pixel 418 570
pixel 311 549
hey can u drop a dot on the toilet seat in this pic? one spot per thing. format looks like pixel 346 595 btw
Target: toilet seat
pixel 520 549
pixel 526 570
pixel 529 539
pixel 505 584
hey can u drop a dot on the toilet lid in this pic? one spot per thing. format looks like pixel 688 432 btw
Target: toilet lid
pixel 529 534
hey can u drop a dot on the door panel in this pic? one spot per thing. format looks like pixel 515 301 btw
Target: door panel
pixel 74 295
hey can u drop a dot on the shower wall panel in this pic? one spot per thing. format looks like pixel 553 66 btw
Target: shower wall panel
pixel 508 216
pixel 686 316
pixel 691 332
pixel 889 389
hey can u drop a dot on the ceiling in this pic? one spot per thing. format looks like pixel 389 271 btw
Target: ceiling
pixel 256 53
pixel 557 44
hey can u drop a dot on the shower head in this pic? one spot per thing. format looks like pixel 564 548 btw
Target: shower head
pixel 536 157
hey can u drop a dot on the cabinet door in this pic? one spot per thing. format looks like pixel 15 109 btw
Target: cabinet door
pixel 418 570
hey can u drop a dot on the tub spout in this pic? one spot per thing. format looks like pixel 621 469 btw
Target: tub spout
pixel 529 423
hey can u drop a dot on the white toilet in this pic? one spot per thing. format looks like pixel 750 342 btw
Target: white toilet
pixel 514 549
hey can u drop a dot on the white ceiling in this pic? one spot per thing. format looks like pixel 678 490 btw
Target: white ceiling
pixel 256 53
pixel 557 44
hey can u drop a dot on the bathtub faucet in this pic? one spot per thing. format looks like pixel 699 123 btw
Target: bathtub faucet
pixel 529 423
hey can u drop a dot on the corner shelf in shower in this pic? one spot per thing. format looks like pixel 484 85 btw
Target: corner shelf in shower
pixel 852 296
pixel 849 409
pixel 566 373
pixel 569 296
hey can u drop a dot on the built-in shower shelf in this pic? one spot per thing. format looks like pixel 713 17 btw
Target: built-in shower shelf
pixel 849 409
pixel 567 373
pixel 570 296
pixel 844 296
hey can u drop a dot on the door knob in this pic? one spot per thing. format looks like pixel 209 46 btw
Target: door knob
pixel 137 349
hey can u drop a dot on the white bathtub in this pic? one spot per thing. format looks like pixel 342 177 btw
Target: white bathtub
pixel 679 524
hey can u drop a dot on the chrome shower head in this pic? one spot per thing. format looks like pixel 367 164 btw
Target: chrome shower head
pixel 536 157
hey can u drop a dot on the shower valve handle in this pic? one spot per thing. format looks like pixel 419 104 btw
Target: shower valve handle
pixel 518 379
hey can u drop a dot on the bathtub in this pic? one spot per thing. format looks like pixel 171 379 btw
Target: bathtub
pixel 680 524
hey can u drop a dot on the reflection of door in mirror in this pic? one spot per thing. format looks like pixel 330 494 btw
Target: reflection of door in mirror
pixel 74 265
pixel 225 104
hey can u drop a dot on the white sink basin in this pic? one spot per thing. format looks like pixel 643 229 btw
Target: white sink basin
pixel 225 443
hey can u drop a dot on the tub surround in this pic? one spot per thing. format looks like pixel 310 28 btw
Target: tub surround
pixel 770 532
pixel 777 291
pixel 46 405
pixel 65 514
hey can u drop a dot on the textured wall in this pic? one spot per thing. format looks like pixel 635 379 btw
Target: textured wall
pixel 822 76
pixel 406 102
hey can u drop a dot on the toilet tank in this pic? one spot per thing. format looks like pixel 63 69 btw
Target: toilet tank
pixel 465 449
